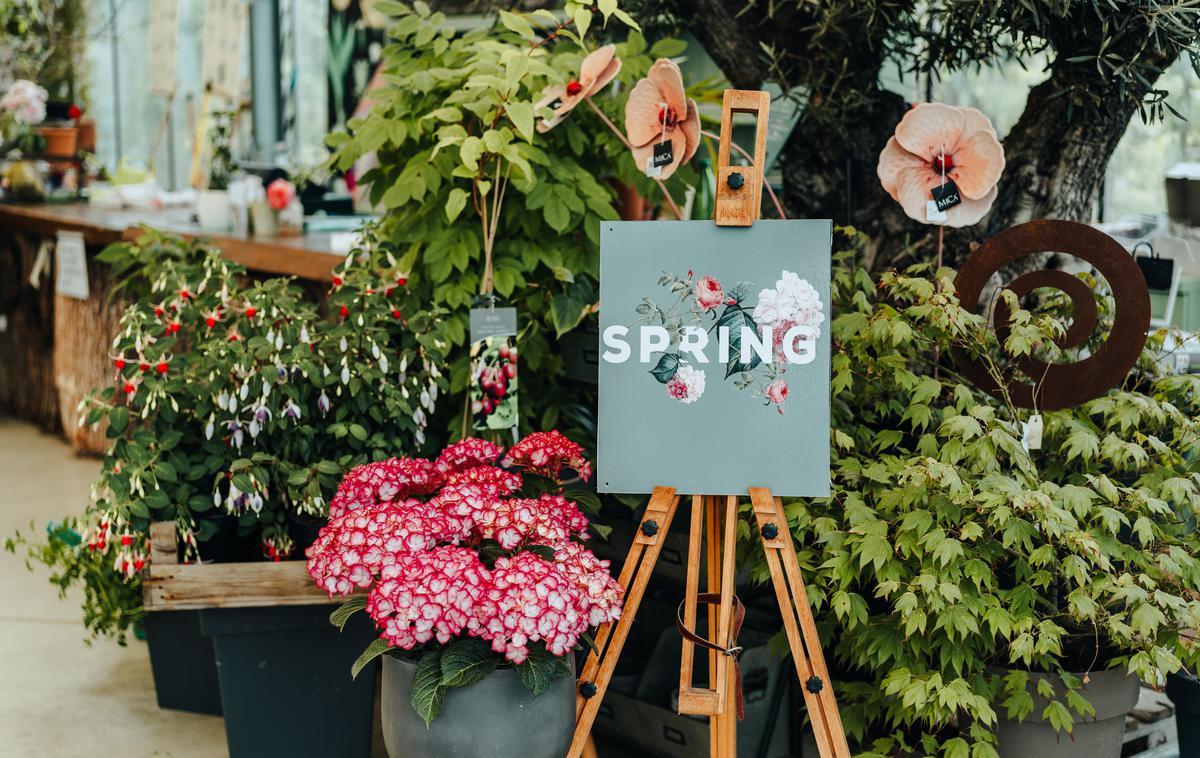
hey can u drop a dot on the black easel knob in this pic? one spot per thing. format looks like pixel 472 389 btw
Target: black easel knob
pixel 770 531
pixel 735 180
pixel 587 689
pixel 814 684
pixel 649 528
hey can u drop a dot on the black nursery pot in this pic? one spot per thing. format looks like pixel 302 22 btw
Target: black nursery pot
pixel 285 681
pixel 182 662
pixel 222 545
pixel 304 530
pixel 1184 691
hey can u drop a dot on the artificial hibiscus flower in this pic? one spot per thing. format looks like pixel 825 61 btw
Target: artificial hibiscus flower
pixel 598 69
pixel 659 113
pixel 935 144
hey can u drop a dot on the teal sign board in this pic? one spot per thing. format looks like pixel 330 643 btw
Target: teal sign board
pixel 714 357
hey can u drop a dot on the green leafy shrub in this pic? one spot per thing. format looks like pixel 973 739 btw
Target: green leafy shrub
pixel 234 396
pixel 454 130
pixel 948 554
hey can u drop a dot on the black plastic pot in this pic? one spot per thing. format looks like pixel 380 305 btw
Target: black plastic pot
pixel 182 661
pixel 1184 690
pixel 221 539
pixel 285 681
pixel 304 530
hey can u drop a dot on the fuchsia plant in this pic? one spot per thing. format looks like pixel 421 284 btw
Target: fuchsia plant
pixel 476 551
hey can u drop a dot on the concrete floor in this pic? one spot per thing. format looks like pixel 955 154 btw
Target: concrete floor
pixel 60 697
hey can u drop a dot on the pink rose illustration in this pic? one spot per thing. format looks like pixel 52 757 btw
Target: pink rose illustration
pixel 709 293
pixel 777 392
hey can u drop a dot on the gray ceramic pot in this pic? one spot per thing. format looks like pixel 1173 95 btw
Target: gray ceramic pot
pixel 1112 693
pixel 493 718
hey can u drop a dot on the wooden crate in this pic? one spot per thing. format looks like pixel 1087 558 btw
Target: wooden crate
pixel 174 586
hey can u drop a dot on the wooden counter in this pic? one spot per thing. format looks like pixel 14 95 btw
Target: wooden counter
pixel 53 348
pixel 308 257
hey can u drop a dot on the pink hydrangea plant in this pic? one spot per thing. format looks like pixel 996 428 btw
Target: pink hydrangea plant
pixel 453 550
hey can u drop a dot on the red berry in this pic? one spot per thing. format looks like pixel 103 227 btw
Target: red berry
pixel 210 322
pixel 161 367
pixel 510 370
pixel 337 281
pixel 129 388
pixel 574 88
pixel 512 354
pixel 343 311
pixel 119 363
pixel 144 366
pixel 251 311
pixel 395 313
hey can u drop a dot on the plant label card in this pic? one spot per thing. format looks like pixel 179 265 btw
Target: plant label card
pixel 493 368
pixel 714 357
pixel 70 266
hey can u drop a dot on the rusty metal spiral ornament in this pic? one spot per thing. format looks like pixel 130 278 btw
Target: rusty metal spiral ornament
pixel 1060 385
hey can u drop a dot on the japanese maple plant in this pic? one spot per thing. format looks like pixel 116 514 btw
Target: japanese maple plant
pixel 471 561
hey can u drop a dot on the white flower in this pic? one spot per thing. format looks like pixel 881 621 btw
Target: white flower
pixel 687 385
pixel 793 302
pixel 26 101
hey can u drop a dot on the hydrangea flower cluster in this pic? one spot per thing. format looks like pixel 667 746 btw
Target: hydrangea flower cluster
pixel 547 454
pixel 474 559
pixel 793 302
pixel 383 482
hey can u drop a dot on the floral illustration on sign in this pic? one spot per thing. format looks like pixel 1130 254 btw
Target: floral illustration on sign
pixel 756 342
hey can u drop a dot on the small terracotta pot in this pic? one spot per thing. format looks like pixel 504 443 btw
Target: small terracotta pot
pixel 61 141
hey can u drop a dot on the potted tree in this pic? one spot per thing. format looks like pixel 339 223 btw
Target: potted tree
pixel 480 587
pixel 976 590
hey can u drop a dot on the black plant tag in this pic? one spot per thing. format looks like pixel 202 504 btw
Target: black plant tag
pixel 662 155
pixel 946 196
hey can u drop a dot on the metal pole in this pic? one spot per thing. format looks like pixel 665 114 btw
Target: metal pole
pixel 116 78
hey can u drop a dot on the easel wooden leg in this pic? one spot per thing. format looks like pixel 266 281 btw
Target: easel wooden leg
pixel 610 638
pixel 798 623
pixel 717 702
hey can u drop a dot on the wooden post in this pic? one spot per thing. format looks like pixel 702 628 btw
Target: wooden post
pixel 739 188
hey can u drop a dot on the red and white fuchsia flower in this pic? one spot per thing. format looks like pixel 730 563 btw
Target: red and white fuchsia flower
pixel 473 559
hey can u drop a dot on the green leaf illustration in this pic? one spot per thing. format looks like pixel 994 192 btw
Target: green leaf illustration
pixel 735 317
pixel 666 367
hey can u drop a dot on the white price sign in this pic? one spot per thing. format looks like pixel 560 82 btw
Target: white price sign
pixel 70 265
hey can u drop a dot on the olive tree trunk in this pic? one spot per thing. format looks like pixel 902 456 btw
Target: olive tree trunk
pixel 1056 153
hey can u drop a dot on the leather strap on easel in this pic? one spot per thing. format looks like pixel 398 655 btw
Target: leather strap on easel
pixel 733 651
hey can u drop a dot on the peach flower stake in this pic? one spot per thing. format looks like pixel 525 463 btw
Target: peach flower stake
pixel 662 123
pixel 940 148
pixel 599 68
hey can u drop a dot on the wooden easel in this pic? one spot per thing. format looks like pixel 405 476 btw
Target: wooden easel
pixel 739 196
